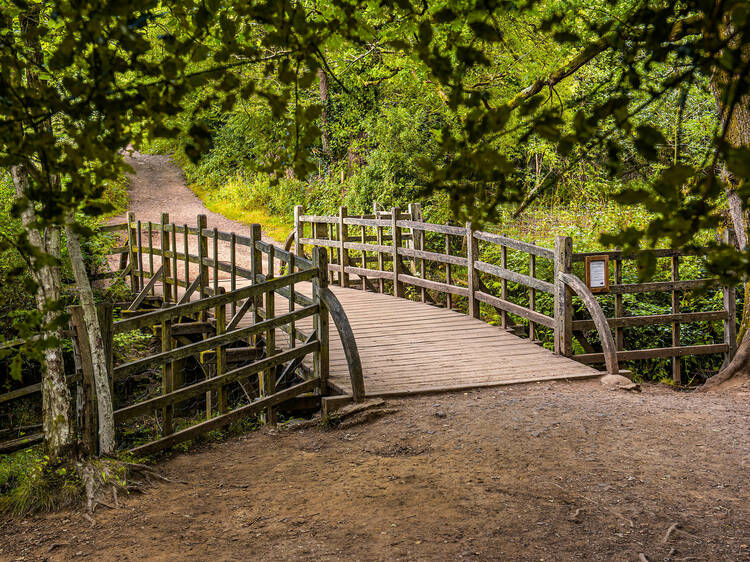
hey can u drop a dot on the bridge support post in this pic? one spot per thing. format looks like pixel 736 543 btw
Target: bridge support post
pixel 165 260
pixel 321 357
pixel 202 254
pixel 343 252
pixel 563 296
pixel 398 286
pixel 132 250
pixel 472 253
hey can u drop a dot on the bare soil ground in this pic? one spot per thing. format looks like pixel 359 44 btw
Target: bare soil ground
pixel 551 471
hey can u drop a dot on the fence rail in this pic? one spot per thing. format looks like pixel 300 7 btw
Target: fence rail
pixel 457 266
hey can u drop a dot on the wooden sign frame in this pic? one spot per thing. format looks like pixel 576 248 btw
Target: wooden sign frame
pixel 589 261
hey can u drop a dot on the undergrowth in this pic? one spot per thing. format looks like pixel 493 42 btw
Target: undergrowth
pixel 30 483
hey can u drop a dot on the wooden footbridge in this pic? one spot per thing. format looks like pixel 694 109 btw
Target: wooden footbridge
pixel 359 306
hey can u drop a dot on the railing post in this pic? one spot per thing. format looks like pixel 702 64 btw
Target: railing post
pixel 343 252
pixel 676 371
pixel 202 254
pixel 165 260
pixel 398 287
pixel 415 209
pixel 298 230
pixel 730 305
pixel 268 378
pixel 220 368
pixel 472 251
pixel 167 377
pixel 256 269
pixel 563 297
pixel 132 249
pixel 321 357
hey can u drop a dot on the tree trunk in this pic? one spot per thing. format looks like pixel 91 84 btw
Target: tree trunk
pixel 56 404
pixel 96 342
pixel 323 114
pixel 735 115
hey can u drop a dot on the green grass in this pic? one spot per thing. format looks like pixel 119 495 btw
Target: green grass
pixel 277 228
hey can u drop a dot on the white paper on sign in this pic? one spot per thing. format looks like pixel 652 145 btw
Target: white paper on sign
pixel 597 274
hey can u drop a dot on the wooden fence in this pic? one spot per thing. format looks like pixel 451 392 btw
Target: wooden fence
pixel 440 264
pixel 216 297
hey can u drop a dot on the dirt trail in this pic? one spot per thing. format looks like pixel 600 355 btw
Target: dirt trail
pixel 555 471
pixel 158 186
pixel 550 471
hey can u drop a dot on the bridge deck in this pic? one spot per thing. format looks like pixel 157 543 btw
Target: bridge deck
pixel 409 347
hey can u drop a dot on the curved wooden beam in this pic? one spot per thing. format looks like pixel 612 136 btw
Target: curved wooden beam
pixel 600 320
pixel 347 340
pixel 290 240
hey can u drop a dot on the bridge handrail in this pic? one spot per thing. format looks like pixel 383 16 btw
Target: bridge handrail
pixel 600 320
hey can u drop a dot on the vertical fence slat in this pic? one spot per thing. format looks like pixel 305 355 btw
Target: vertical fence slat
pixel 381 262
pixel 563 297
pixel 730 305
pixel 216 260
pixel 221 324
pixel 173 247
pixel 472 251
pixel 167 378
pixel 202 254
pixel 292 293
pixel 233 268
pixel 532 296
pixel 150 253
pixel 398 286
pixel 186 246
pixel 140 254
pixel 166 288
pixel 343 252
pixel 448 273
pixel 132 248
pixel 504 285
pixel 268 378
pixel 676 371
pixel 321 358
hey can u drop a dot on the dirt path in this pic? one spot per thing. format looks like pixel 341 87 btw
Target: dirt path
pixel 158 186
pixel 550 471
pixel 554 471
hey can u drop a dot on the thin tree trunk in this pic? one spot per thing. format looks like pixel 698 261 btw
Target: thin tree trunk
pixel 324 114
pixel 96 342
pixel 735 115
pixel 56 404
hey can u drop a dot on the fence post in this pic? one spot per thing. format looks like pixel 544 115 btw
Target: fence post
pixel 472 253
pixel 321 357
pixel 256 269
pixel 676 371
pixel 730 305
pixel 415 209
pixel 563 297
pixel 89 410
pixel 167 377
pixel 132 242
pixel 165 260
pixel 398 287
pixel 221 324
pixel 298 230
pixel 268 378
pixel 343 252
pixel 202 253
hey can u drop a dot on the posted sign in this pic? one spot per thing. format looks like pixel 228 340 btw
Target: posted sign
pixel 597 273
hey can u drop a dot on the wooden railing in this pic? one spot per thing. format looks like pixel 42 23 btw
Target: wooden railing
pixel 221 288
pixel 456 266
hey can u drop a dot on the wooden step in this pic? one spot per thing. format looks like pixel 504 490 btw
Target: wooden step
pixel 193 328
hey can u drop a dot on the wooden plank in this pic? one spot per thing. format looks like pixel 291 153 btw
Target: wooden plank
pixel 655 353
pixel 516 309
pixel 434 256
pixel 207 385
pixel 515 244
pixel 434 285
pixel 662 286
pixel 151 318
pixel 512 276
pixel 148 288
pixel 224 420
pixel 652 319
pixel 187 350
pixel 24 442
pixel 429 227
